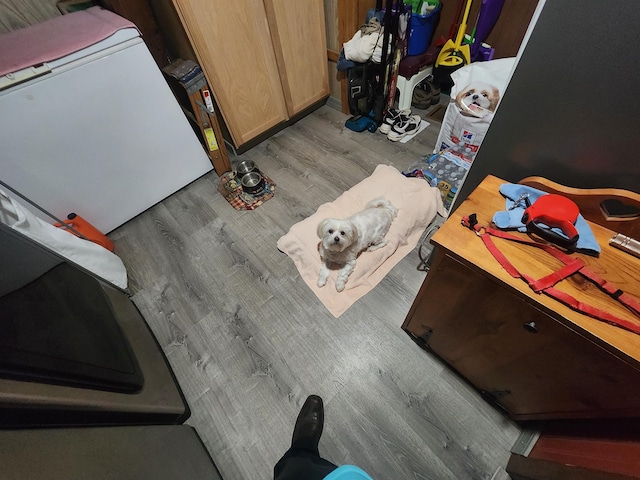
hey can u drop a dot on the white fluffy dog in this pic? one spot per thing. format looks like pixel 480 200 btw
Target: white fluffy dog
pixel 342 240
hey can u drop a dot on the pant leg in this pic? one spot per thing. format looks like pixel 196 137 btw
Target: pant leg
pixel 298 464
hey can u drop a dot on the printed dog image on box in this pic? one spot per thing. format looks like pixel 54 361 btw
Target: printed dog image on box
pixel 475 96
pixel 476 104
pixel 478 100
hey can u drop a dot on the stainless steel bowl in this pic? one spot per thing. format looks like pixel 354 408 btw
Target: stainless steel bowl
pixel 252 183
pixel 244 167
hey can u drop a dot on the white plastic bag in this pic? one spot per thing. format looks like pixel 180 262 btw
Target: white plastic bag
pixel 362 48
pixel 89 255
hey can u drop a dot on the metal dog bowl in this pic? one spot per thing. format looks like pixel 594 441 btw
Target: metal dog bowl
pixel 252 183
pixel 245 167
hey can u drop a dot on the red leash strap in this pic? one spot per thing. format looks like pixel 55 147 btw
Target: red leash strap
pixel 545 284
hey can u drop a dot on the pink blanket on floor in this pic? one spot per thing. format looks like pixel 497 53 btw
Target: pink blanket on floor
pixel 417 203
pixel 57 38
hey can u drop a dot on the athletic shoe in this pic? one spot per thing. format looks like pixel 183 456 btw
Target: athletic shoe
pixel 404 128
pixel 392 117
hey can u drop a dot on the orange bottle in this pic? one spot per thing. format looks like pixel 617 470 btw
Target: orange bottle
pixel 85 228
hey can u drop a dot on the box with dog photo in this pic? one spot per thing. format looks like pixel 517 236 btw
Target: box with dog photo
pixel 475 96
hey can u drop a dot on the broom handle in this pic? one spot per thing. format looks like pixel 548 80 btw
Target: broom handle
pixel 453 29
pixel 463 26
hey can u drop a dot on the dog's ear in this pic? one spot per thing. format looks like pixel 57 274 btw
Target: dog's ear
pixel 460 96
pixel 495 98
pixel 353 233
pixel 321 226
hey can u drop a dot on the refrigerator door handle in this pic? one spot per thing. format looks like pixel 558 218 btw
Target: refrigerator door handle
pixel 26 74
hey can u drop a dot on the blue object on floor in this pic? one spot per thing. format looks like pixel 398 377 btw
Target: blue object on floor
pixel 360 123
pixel 348 472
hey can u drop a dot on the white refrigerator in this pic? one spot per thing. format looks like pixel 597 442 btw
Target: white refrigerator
pixel 99 133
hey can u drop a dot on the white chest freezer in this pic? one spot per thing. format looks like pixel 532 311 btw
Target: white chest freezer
pixel 97 131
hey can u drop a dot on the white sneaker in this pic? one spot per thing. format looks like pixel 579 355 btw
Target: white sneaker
pixel 405 127
pixel 392 117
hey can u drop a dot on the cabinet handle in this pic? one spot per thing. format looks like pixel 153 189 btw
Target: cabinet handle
pixel 530 327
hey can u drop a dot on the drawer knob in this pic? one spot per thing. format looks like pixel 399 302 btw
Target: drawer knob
pixel 530 327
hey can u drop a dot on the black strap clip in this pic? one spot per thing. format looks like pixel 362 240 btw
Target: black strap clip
pixel 470 221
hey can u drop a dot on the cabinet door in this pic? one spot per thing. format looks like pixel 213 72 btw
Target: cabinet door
pixel 527 361
pixel 299 39
pixel 234 48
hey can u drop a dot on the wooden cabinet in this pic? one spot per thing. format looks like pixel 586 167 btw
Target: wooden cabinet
pixel 265 60
pixel 586 450
pixel 530 354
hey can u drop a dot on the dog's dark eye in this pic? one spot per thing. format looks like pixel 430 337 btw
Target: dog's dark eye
pixel 485 94
pixel 331 230
pixel 342 233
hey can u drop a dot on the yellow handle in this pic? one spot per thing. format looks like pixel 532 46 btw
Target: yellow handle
pixel 463 26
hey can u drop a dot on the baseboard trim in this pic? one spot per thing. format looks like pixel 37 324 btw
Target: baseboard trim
pixel 334 103
pixel 281 126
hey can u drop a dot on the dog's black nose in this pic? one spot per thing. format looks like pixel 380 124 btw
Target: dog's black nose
pixel 336 239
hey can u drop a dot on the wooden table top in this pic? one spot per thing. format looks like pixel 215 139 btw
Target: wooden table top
pixel 616 266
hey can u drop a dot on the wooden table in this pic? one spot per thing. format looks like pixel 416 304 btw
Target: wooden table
pixel 476 317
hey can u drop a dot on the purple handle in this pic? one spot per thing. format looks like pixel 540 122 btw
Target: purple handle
pixel 489 13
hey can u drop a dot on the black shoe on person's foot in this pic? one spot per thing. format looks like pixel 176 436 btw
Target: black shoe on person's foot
pixel 308 429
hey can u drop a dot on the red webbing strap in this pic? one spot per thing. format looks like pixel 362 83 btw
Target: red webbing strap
pixel 624 298
pixel 607 287
pixel 555 277
pixel 545 284
pixel 572 265
pixel 592 311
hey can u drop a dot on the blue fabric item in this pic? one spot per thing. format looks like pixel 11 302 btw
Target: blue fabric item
pixel 373 13
pixel 348 472
pixel 343 63
pixel 511 219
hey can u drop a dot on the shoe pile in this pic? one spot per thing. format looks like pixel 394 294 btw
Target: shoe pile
pixel 397 124
pixel 425 94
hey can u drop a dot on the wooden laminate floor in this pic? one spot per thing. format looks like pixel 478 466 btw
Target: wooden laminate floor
pixel 248 340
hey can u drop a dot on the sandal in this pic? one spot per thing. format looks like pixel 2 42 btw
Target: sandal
pixel 435 91
pixel 421 98
pixel 425 94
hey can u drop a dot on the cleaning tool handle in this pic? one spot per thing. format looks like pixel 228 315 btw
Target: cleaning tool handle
pixel 487 18
pixel 454 26
pixel 463 26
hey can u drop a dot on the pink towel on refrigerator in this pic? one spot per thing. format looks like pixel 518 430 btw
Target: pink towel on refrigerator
pixel 56 38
